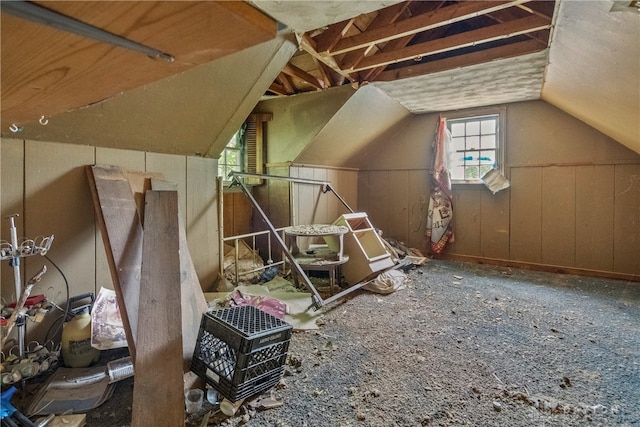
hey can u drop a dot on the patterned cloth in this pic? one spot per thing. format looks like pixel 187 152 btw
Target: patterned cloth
pixel 440 214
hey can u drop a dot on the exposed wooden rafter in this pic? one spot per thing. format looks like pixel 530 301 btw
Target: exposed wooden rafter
pixel 417 37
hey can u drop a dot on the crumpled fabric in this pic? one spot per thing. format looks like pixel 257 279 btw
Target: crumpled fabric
pixel 439 228
pixel 273 306
pixel 387 282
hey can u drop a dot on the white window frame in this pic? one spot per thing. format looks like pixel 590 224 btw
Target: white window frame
pixel 223 167
pixel 500 112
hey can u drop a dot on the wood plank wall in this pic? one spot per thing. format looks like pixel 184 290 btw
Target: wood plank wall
pixel 574 200
pixel 46 185
pixel 578 216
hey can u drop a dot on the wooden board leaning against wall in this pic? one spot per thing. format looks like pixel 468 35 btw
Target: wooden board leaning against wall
pixel 45 183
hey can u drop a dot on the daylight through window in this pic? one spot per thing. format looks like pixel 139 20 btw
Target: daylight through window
pixel 231 157
pixel 474 146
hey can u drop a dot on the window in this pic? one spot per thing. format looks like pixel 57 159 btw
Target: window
pixel 231 158
pixel 244 152
pixel 475 146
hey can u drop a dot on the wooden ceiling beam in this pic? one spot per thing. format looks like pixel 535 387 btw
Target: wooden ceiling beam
pixel 458 41
pixel 437 18
pixel 309 45
pixel 325 72
pixel 480 57
pixel 387 16
pixel 371 74
pixel 278 89
pixel 293 71
pixel 332 35
pixel 283 79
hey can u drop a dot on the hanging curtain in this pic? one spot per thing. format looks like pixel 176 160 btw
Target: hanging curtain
pixel 440 214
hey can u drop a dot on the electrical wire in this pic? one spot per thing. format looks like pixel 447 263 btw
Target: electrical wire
pixel 67 312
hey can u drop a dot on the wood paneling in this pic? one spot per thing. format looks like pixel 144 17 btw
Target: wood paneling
pixel 494 224
pixel 418 208
pixel 594 217
pixel 626 255
pixel 237 214
pixel 379 191
pixel 398 200
pixel 58 201
pixel 11 202
pixel 201 218
pixel 49 180
pixel 525 240
pixel 64 71
pixel 467 216
pixel 558 215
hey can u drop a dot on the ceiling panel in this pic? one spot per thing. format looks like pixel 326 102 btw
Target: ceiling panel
pixel 53 71
pixel 496 82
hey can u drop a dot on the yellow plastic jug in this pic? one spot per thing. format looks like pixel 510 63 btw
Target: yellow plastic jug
pixel 76 342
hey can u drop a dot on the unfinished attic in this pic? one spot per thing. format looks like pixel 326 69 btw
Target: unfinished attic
pixel 380 213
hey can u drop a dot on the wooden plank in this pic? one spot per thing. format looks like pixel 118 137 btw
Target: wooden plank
pixel 437 18
pixel 456 41
pixel 480 57
pixel 192 298
pixel 158 398
pixel 558 216
pixel 626 252
pixel 118 219
pixel 594 217
pixel 525 240
pixel 127 160
pixel 494 226
pixel 173 169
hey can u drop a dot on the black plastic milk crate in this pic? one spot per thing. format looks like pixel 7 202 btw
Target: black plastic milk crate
pixel 241 351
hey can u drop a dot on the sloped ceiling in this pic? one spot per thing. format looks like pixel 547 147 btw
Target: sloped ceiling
pixel 589 68
pixel 369 114
pixel 47 70
pixel 594 67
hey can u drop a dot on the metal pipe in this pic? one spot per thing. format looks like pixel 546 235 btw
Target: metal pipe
pixel 42 15
pixel 283 178
pixel 315 297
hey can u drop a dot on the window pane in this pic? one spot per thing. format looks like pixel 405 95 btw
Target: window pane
pixel 471 172
pixel 457 172
pixel 473 128
pixel 488 126
pixel 488 141
pixel 484 169
pixel 457 129
pixel 487 157
pixel 457 144
pixel 475 145
pixel 473 142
